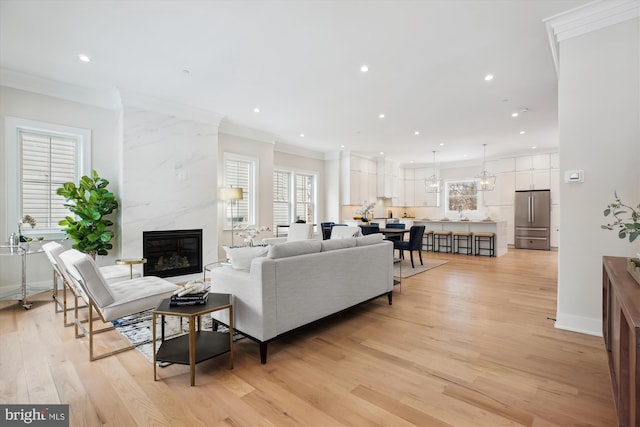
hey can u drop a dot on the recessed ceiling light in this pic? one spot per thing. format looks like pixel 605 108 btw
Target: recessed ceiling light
pixel 382 153
pixel 256 110
pixel 514 114
pixel 381 115
pixel 522 132
pixel 84 58
pixel 534 147
pixel 302 135
pixel 417 132
pixel 488 77
pixel 342 146
pixel 364 68
pixel 410 161
pixel 442 144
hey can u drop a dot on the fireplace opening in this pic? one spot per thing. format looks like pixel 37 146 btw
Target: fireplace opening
pixel 172 253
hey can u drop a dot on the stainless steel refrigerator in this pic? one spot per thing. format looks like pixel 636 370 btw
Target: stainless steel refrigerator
pixel 532 219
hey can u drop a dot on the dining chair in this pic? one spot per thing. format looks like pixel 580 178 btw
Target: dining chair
pixel 395 225
pixel 416 234
pixel 112 301
pixel 369 229
pixel 325 227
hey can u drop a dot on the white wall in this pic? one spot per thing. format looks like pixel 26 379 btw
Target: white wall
pixel 101 122
pixel 599 119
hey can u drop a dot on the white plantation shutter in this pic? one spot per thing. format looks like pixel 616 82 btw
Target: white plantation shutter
pixel 294 197
pixel 239 172
pixel 47 162
pixel 305 197
pixel 281 198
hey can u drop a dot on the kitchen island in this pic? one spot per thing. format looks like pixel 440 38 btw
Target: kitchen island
pixel 499 228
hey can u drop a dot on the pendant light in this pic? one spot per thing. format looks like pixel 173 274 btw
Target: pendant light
pixel 487 181
pixel 433 183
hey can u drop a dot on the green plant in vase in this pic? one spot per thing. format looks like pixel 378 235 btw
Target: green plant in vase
pixel 90 202
pixel 626 219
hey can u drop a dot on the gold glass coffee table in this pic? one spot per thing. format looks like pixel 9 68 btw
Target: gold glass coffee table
pixel 196 345
pixel 130 262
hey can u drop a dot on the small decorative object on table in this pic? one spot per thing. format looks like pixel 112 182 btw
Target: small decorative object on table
pixel 365 210
pixel 195 292
pixel 250 232
pixel 633 267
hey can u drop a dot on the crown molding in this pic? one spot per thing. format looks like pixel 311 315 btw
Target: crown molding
pixel 107 98
pixel 298 151
pixel 230 127
pixel 146 102
pixel 585 19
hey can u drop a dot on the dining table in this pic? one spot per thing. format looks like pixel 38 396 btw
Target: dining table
pixel 391 232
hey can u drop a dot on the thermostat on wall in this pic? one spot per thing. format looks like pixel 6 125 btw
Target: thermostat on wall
pixel 574 176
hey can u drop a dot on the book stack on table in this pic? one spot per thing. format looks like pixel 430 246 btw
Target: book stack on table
pixel 193 293
pixel 189 299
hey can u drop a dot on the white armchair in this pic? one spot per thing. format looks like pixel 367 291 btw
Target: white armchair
pixel 112 301
pixel 297 231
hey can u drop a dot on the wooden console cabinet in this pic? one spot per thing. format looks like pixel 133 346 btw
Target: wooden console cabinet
pixel 621 331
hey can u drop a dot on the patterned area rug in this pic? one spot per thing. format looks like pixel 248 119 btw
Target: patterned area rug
pixel 408 271
pixel 138 329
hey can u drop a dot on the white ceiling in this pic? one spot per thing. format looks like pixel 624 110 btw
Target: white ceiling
pixel 299 62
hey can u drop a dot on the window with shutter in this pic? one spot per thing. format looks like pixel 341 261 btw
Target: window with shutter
pixel 239 171
pixel 281 198
pixel 40 158
pixel 294 197
pixel 48 161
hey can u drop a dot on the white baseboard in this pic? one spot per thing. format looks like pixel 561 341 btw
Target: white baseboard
pixel 583 325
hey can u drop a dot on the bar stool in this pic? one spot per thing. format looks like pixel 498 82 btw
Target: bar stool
pixel 459 236
pixel 427 244
pixel 438 235
pixel 485 237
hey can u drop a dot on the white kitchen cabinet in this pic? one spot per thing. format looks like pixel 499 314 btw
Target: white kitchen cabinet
pixel 533 180
pixel 554 186
pixel 388 178
pixel 540 161
pixel 554 159
pixel 555 226
pixel 408 188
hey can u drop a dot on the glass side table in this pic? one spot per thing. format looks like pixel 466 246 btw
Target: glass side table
pixel 22 252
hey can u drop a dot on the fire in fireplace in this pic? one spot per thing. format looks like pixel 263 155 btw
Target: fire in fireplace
pixel 172 253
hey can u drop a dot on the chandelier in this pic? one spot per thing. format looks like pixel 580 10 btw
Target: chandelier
pixel 487 181
pixel 433 183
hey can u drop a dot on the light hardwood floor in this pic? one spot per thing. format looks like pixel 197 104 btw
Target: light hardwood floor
pixel 465 344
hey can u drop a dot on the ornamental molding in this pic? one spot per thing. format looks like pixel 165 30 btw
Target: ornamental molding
pixel 585 19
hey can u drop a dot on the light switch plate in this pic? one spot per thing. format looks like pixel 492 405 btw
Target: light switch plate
pixel 574 176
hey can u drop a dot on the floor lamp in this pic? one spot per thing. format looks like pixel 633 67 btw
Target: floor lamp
pixel 231 194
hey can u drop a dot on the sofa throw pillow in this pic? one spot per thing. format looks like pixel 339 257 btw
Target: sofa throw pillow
pixel 241 258
pixel 369 239
pixel 301 247
pixel 331 244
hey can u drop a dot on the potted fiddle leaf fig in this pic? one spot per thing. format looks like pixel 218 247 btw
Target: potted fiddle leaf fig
pixel 90 202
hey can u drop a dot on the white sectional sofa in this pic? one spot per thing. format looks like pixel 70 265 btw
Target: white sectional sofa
pixel 297 283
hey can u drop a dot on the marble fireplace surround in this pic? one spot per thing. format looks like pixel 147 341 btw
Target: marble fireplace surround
pixel 169 176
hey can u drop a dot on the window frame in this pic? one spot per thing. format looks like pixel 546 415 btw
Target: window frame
pixel 447 184
pixel 13 167
pixel 250 195
pixel 292 200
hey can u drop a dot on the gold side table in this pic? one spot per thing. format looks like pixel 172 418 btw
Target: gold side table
pixel 130 262
pixel 196 345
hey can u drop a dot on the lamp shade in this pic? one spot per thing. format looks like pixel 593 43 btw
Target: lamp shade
pixel 231 193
